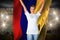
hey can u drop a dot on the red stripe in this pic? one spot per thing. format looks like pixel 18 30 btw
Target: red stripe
pixel 17 32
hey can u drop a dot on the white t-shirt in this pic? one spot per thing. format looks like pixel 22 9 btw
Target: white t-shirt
pixel 32 27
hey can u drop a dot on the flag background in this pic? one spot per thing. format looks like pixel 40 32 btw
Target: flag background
pixel 20 21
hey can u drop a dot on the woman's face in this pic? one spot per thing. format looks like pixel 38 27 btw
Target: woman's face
pixel 32 9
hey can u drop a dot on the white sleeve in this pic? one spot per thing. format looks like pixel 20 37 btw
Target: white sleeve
pixel 27 14
pixel 38 13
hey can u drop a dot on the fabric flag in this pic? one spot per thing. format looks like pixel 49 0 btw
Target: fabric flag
pixel 19 18
pixel 17 12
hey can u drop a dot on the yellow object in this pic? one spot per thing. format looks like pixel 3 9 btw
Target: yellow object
pixel 44 14
pixel 38 5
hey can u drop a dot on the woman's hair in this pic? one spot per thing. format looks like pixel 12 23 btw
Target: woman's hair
pixel 32 6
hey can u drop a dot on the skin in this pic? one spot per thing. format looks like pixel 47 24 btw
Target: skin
pixel 32 9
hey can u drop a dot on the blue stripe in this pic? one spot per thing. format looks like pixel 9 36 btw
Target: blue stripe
pixel 24 22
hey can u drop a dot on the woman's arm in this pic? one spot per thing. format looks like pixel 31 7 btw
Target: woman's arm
pixel 42 6
pixel 25 9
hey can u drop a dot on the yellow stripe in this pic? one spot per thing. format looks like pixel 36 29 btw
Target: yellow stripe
pixel 43 18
